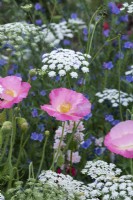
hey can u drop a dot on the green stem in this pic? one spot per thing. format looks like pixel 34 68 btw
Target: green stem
pixel 10 165
pixel 119 80
pixel 70 139
pixel 43 156
pixel 89 42
pixel 20 150
pixel 131 166
pixel 59 147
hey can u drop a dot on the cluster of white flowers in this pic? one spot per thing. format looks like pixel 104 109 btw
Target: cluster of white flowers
pixel 108 181
pixel 65 61
pixel 129 72
pixel 17 33
pixel 100 170
pixel 120 188
pixel 76 24
pixel 54 33
pixel 67 183
pixel 114 96
pixel 2 197
pixel 128 6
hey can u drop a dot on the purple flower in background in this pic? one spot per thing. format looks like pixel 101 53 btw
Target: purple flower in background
pixel 41 127
pixel 43 93
pixel 85 31
pixel 113 8
pixel 66 42
pixel 39 22
pixel 108 65
pixel 124 37
pixel 37 136
pixel 86 144
pixel 34 112
pixel 2 62
pixel 123 18
pixel 106 32
pixel 38 6
pixel 81 81
pixel 19 75
pixel 109 118
pixel 88 116
pixel 74 15
pixel 99 150
pixel 33 78
pixel 128 45
pixel 115 122
pixel 119 55
pixel 129 78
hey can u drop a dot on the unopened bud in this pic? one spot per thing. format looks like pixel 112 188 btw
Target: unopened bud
pixel 32 72
pixel 47 133
pixel 6 127
pixel 22 124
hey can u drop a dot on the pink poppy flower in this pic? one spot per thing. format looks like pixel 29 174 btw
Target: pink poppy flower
pixel 120 139
pixel 12 90
pixel 67 105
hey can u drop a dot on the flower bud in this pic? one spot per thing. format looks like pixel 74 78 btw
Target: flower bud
pixel 6 127
pixel 22 124
pixel 32 72
pixel 47 133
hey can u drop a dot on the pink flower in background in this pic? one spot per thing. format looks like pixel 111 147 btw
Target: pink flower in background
pixel 75 156
pixel 67 104
pixel 12 90
pixel 120 139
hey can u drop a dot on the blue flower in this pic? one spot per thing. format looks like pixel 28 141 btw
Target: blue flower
pixel 115 122
pixel 123 18
pixel 113 8
pixel 37 136
pixel 108 65
pixel 128 45
pixel 119 55
pixel 41 127
pixel 39 22
pixel 2 62
pixel 74 15
pixel 33 78
pixel 38 6
pixel 86 144
pixel 34 112
pixel 129 78
pixel 85 31
pixel 88 116
pixel 66 42
pixel 109 118
pixel 99 151
pixel 124 37
pixel 106 33
pixel 42 92
pixel 81 81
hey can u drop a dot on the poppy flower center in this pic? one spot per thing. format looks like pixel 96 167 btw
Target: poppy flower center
pixel 10 93
pixel 65 107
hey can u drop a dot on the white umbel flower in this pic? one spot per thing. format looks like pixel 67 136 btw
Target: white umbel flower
pixel 65 62
pixel 115 97
pixel 52 74
pixel 74 74
pixel 128 7
pixel 67 183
